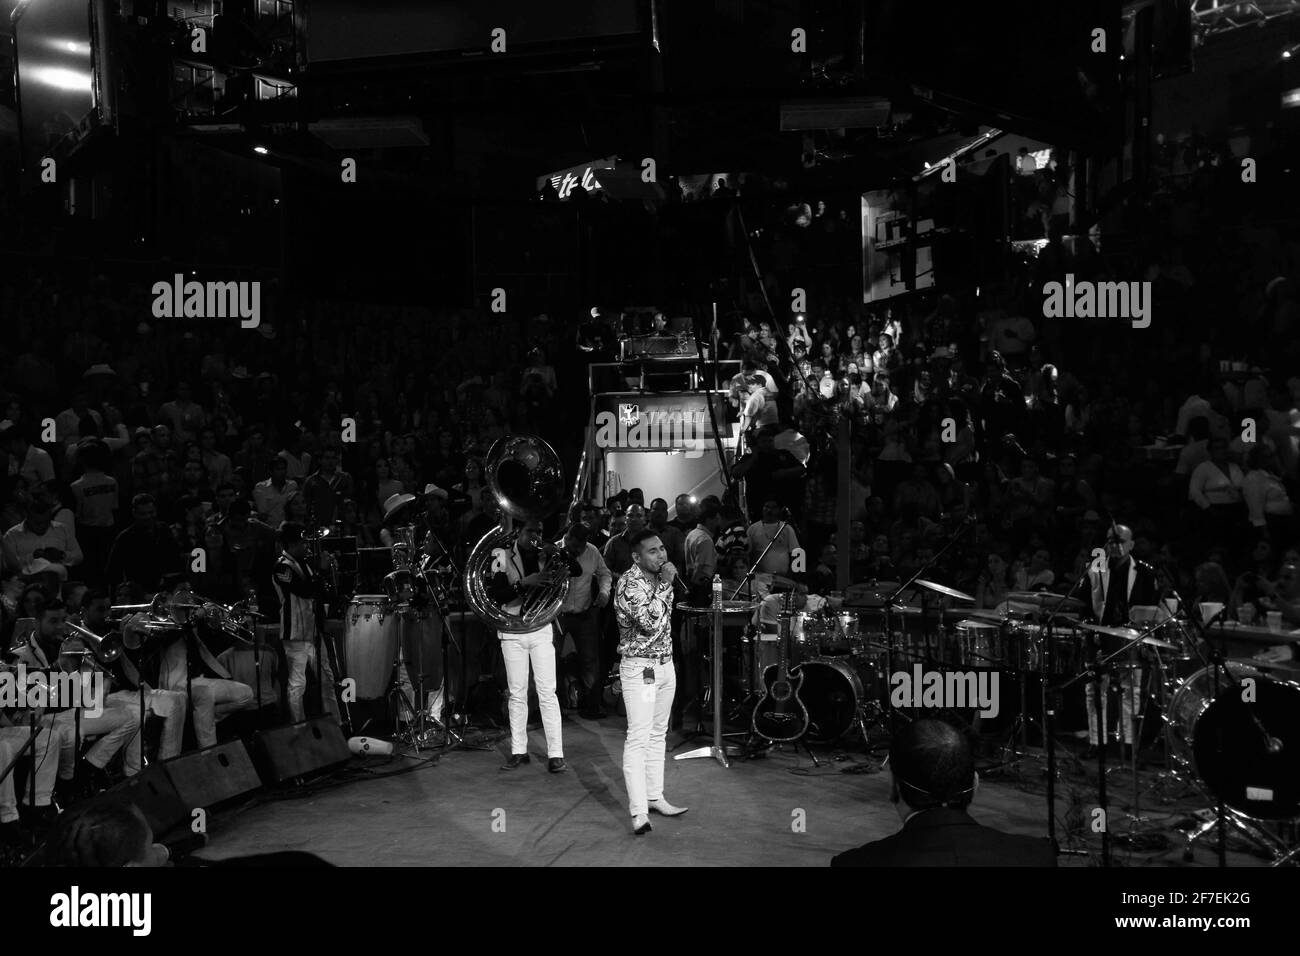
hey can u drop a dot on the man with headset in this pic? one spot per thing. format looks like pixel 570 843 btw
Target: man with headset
pixel 933 775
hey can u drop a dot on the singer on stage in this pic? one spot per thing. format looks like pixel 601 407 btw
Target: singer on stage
pixel 643 604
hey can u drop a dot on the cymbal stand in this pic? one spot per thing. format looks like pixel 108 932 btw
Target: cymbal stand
pixel 399 704
pixel 452 740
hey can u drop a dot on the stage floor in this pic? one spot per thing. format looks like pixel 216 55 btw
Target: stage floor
pixel 464 811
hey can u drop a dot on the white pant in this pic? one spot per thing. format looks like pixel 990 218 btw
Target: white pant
pixel 1129 682
pixel 301 655
pixel 12 740
pixel 648 707
pixel 518 650
pixel 170 705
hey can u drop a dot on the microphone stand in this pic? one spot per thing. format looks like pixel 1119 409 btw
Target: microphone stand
pixel 748 585
pixel 1050 696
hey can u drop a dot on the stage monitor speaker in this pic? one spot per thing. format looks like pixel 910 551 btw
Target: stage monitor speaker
pixel 169 792
pixel 299 749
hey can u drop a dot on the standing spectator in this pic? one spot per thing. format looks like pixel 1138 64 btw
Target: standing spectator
pixel 298 458
pixel 144 551
pixel 701 552
pixel 769 530
pixel 219 466
pixel 618 552
pixel 25 459
pixel 270 496
pixel 674 541
pixel 183 415
pixel 589 592
pixel 96 496
pixel 326 488
pixel 770 473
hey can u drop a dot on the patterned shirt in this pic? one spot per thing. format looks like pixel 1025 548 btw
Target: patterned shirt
pixel 644 610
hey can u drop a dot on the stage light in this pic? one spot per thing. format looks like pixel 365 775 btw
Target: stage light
pixel 261 150
pixel 1286 54
pixel 63 79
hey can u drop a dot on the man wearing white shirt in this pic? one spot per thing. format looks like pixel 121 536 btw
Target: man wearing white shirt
pixel 39 536
pixel 763 532
pixel 34 464
pixel 1216 489
pixel 270 496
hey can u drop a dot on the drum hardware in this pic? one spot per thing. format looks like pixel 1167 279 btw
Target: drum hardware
pixel 927 587
pixel 445 721
pixel 712 694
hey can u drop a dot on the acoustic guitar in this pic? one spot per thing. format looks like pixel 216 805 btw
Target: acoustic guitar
pixel 780 715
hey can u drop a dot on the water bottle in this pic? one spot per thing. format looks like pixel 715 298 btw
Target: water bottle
pixel 717 590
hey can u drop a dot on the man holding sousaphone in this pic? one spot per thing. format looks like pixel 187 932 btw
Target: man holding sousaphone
pixel 517 585
pixel 515 572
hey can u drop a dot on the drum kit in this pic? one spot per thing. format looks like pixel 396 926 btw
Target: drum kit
pixel 1244 753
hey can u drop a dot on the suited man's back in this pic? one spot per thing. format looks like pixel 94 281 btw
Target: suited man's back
pixel 946 837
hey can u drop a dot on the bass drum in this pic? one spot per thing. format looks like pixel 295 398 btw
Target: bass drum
pixel 834 691
pixel 1247 751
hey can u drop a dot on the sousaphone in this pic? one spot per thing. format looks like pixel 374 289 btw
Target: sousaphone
pixel 523 473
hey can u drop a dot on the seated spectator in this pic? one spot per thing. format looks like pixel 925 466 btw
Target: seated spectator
pixel 933 781
pixel 38 538
pixel 1268 506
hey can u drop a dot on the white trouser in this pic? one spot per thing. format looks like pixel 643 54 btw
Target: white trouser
pixel 167 704
pixel 12 740
pixel 1130 698
pixel 518 650
pixel 648 709
pixel 301 655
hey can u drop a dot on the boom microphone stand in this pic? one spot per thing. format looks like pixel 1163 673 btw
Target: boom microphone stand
pixel 1050 697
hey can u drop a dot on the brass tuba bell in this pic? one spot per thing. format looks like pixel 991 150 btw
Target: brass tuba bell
pixel 524 475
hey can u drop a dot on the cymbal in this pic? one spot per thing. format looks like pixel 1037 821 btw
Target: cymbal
pixel 1128 634
pixel 1265 665
pixel 1044 598
pixel 728 607
pixel 943 589
pixel 984 614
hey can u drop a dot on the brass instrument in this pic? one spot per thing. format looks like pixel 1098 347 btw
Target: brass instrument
pixel 81 642
pixel 524 475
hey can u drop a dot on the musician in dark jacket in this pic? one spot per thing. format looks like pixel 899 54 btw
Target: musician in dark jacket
pixel 1116 584
pixel 934 781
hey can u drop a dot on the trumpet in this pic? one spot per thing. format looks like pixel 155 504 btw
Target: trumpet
pixel 80 641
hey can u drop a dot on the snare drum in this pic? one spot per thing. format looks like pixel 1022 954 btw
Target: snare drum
pixel 371 636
